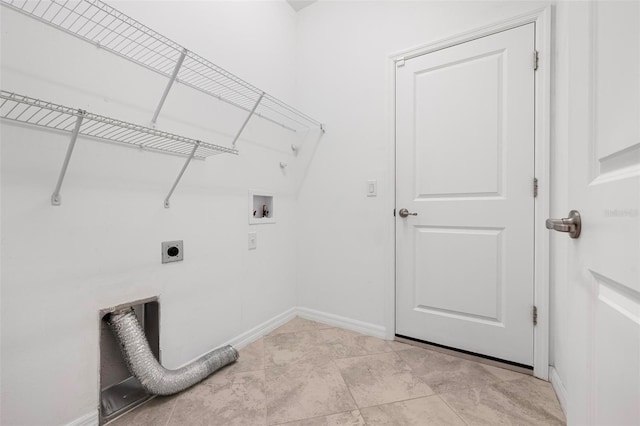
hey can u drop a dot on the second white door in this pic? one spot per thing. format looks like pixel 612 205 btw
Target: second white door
pixel 465 166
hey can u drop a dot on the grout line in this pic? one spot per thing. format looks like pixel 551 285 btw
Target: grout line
pixel 362 417
pixel 400 400
pixel 314 417
pixel 175 404
pixel 435 395
pixel 346 384
pixel 452 409
pixel 232 374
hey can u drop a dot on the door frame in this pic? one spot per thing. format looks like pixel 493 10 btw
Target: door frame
pixel 542 110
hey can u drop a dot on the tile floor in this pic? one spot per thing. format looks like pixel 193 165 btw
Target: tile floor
pixel 307 373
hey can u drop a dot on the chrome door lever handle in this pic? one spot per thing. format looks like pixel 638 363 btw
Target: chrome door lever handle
pixel 405 213
pixel 571 224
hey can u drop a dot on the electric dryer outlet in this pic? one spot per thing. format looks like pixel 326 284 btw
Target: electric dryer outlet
pixel 172 251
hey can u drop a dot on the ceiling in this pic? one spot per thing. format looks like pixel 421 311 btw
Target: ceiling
pixel 298 5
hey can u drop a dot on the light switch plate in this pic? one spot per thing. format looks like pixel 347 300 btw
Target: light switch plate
pixel 172 251
pixel 253 240
pixel 372 188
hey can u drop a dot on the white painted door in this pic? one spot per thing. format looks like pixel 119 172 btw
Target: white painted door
pixel 465 165
pixel 603 378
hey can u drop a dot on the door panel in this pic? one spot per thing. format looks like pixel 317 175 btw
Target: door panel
pixel 458 165
pixel 604 182
pixel 480 251
pixel 465 164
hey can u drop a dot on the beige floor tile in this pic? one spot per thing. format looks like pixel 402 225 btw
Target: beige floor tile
pixel 446 373
pixel 415 412
pixel 304 390
pixel 399 346
pixel 527 401
pixel 347 344
pixel 236 399
pixel 351 418
pixel 152 413
pixel 310 374
pixel 504 374
pixel 378 379
pixel 298 324
pixel 288 348
pixel 251 359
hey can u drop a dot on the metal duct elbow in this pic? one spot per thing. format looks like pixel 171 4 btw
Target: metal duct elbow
pixel 154 378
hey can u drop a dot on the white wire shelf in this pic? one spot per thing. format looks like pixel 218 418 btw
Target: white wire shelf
pixel 104 26
pixel 36 112
pixel 58 117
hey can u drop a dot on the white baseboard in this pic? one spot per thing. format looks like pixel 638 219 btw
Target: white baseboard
pixel 561 391
pixel 263 329
pixel 255 333
pixel 343 322
pixel 90 419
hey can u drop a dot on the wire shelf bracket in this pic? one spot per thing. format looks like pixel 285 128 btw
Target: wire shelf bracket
pixel 55 197
pixel 172 79
pixel 106 27
pixel 35 112
pixel 246 121
pixel 184 167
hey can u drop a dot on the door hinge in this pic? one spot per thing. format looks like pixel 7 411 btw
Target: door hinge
pixel 535 187
pixel 535 315
pixel 536 60
pixel 400 62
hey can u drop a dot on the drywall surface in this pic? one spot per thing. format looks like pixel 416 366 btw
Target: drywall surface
pixel 346 255
pixel 331 249
pixel 560 304
pixel 101 247
pixel 346 246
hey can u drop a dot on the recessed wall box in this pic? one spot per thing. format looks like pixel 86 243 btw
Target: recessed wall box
pixel 261 208
pixel 119 390
pixel 172 251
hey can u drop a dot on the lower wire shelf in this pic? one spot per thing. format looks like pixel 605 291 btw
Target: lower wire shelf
pixel 36 112
pixel 53 116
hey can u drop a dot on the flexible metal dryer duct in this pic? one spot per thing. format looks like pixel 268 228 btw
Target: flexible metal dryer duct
pixel 154 378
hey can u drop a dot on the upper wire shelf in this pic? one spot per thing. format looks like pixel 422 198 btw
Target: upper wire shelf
pixel 104 26
pixel 53 116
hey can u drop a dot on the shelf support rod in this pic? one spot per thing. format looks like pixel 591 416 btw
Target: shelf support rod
pixel 55 197
pixel 247 119
pixel 173 77
pixel 186 164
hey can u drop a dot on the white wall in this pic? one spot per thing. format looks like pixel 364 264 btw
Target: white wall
pixel 331 249
pixel 560 305
pixel 101 247
pixel 346 258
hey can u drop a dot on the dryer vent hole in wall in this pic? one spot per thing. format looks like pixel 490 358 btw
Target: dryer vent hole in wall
pixel 120 391
pixel 143 365
pixel 172 251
